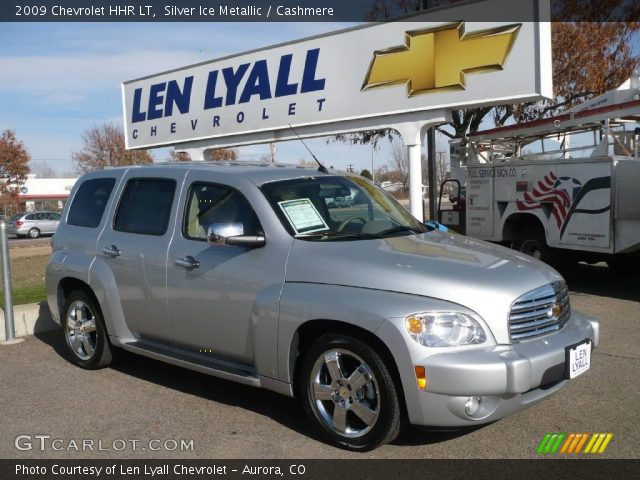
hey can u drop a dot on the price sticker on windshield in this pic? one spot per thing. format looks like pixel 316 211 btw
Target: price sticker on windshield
pixel 303 215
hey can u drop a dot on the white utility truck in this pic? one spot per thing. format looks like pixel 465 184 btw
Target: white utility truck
pixel 563 189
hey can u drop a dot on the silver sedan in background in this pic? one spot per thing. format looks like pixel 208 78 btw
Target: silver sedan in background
pixel 33 224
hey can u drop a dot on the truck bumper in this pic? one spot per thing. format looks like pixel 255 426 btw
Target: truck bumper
pixel 471 386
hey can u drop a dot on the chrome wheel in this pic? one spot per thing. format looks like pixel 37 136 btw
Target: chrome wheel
pixel 80 330
pixel 34 233
pixel 344 393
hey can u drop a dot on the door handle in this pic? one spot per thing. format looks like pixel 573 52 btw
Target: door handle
pixel 187 262
pixel 112 251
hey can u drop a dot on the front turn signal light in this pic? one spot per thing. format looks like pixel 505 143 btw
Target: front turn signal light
pixel 421 377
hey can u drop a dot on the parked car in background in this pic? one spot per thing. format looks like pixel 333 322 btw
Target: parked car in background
pixel 33 224
pixel 343 202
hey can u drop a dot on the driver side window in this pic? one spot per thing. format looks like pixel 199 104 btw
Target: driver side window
pixel 210 205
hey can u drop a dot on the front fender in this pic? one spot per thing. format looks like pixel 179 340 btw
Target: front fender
pixel 361 307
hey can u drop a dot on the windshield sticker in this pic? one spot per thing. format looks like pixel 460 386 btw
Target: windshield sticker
pixel 303 215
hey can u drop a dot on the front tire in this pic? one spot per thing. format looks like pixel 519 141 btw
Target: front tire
pixel 84 331
pixel 349 393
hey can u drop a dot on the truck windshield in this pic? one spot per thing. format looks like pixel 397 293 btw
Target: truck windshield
pixel 338 208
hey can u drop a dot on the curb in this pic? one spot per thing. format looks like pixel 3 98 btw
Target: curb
pixel 29 319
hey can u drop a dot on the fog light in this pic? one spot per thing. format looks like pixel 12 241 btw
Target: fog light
pixel 472 406
pixel 421 377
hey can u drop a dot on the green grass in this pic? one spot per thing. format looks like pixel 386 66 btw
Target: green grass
pixel 28 266
pixel 28 294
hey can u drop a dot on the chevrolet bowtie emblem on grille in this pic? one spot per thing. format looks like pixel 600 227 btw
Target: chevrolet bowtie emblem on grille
pixel 556 310
pixel 439 58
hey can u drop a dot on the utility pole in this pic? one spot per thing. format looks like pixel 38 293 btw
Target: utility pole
pixel 373 151
pixel 350 168
pixel 273 152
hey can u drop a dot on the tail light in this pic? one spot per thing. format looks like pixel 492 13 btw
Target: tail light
pixel 19 224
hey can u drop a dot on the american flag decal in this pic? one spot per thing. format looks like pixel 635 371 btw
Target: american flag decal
pixel 558 193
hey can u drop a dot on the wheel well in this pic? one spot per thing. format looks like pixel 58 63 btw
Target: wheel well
pixel 311 330
pixel 68 285
pixel 518 222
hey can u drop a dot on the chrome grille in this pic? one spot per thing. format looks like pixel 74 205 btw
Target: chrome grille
pixel 532 314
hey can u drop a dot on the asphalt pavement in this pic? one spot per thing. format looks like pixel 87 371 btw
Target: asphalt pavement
pixel 43 393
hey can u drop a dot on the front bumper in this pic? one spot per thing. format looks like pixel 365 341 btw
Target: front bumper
pixel 507 378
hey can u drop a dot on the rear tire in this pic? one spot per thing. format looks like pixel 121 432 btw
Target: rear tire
pixel 349 394
pixel 34 233
pixel 531 241
pixel 84 331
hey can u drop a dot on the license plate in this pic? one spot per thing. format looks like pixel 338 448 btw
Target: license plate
pixel 578 359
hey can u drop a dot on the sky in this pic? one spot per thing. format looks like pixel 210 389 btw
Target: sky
pixel 59 79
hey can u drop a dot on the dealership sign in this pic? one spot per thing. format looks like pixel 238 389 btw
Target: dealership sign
pixel 378 70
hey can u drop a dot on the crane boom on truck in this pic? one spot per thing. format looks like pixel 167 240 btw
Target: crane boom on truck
pixel 562 189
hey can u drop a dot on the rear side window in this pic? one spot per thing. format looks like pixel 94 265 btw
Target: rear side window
pixel 90 202
pixel 145 206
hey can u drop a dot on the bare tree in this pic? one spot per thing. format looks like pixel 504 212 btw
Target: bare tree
pixel 400 162
pixel 104 147
pixel 179 156
pixel 43 170
pixel 14 163
pixel 224 154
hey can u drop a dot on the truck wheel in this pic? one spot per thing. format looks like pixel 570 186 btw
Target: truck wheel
pixel 532 242
pixel 348 392
pixel 84 332
pixel 34 233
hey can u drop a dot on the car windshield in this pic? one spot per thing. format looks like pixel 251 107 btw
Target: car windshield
pixel 338 208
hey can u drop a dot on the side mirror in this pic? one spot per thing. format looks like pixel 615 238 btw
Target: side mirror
pixel 233 234
pixel 249 241
pixel 217 233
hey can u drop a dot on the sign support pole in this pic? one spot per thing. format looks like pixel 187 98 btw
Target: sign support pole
pixel 415 180
pixel 432 174
pixel 412 134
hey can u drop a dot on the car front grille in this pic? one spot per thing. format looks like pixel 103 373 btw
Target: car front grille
pixel 539 312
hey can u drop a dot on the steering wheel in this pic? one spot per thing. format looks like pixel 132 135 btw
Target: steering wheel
pixel 349 220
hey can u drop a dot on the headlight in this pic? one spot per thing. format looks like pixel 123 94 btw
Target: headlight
pixel 444 329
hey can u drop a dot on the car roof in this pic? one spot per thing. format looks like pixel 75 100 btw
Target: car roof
pixel 256 172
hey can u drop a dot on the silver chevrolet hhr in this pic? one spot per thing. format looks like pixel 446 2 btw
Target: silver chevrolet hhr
pixel 241 271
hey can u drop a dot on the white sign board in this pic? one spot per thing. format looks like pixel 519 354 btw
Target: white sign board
pixel 385 69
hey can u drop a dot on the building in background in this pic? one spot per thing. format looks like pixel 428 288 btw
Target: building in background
pixel 39 194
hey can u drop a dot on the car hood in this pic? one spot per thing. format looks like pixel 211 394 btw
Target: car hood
pixel 483 277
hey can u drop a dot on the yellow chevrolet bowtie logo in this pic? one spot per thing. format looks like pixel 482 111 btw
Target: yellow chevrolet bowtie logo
pixel 439 58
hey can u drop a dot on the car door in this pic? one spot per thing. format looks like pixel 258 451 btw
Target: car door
pixel 211 303
pixel 46 222
pixel 134 246
pixel 54 221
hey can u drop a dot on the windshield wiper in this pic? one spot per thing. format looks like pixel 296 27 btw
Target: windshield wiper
pixel 400 229
pixel 336 235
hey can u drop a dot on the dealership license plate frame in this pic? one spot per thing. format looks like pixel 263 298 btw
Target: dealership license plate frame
pixel 568 357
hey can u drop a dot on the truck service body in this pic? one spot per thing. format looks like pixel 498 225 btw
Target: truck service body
pixel 581 196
